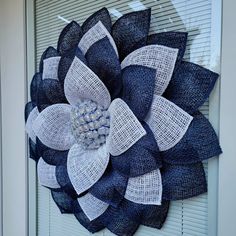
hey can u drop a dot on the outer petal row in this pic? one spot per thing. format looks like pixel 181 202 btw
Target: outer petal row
pixel 121 221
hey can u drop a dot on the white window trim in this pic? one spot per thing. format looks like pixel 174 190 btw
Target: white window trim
pixel 31 67
pixel 214 109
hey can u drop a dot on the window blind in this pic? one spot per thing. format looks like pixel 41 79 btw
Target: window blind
pixel 188 217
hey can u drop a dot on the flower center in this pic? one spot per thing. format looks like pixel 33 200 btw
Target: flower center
pixel 90 124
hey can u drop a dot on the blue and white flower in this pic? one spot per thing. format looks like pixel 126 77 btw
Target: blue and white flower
pixel 114 123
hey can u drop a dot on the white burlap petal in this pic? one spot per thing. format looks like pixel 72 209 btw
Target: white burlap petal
pixel 92 206
pixel 82 83
pixel 53 127
pixel 29 124
pixel 50 68
pixel 47 174
pixel 93 35
pixel 157 57
pixel 125 129
pixel 85 167
pixel 168 122
pixel 145 189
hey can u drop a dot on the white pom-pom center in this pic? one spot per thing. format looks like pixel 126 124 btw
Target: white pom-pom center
pixel 90 124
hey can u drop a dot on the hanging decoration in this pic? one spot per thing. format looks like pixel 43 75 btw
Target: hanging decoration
pixel 113 122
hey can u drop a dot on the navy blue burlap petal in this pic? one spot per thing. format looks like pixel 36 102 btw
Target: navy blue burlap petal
pixel 50 92
pixel 118 223
pixel 183 181
pixel 51 156
pixel 64 201
pixel 138 89
pixel 92 226
pixel 104 62
pixel 141 158
pixel 101 15
pixel 172 40
pixel 199 143
pixel 28 108
pixel 130 31
pixel 65 63
pixel 34 86
pixel 190 86
pixel 69 38
pixel 156 218
pixel 64 180
pixel 151 215
pixel 33 151
pixel 110 188
pixel 49 52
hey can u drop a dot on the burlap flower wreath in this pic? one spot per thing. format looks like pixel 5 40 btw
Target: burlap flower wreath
pixel 113 122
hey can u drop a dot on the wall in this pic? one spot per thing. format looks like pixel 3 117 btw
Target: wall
pixel 227 162
pixel 14 165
